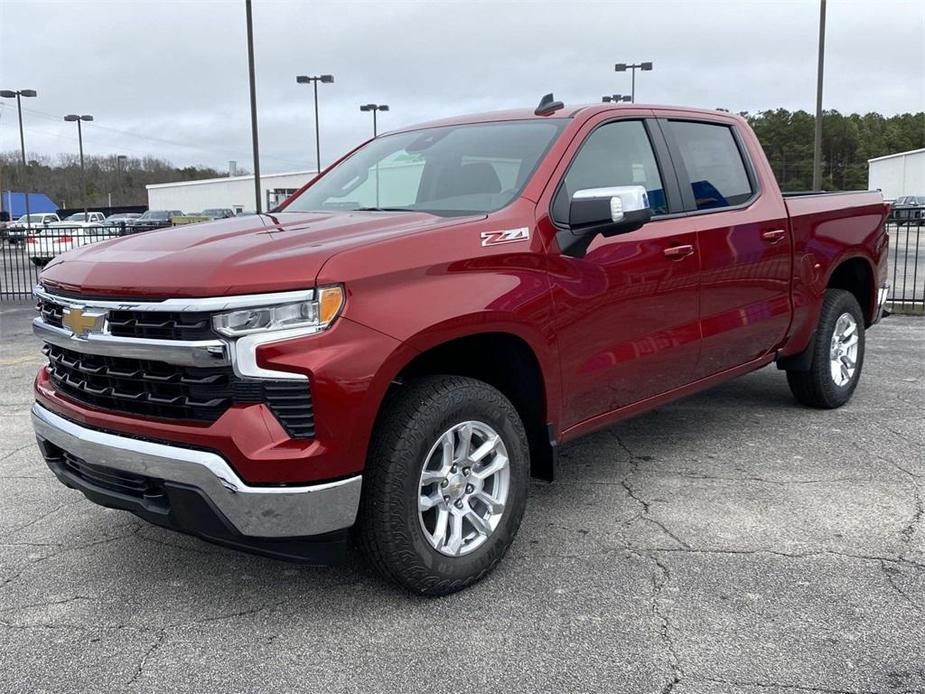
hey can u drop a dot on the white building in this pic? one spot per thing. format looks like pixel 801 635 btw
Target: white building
pixel 898 174
pixel 236 192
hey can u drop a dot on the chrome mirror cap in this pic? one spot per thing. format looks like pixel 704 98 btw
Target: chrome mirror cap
pixel 623 199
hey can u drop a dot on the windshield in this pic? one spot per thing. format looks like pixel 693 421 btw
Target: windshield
pixel 77 217
pixel 453 170
pixel 33 218
pixel 154 214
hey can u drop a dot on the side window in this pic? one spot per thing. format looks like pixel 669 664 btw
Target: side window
pixel 615 154
pixel 714 164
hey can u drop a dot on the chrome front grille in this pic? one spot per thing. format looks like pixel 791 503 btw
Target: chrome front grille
pixel 146 359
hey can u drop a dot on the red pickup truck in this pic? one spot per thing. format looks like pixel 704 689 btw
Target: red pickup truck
pixel 405 341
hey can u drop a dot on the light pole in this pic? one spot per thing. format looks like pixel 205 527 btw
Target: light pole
pixel 252 80
pixel 74 118
pixel 17 94
pixel 623 67
pixel 615 98
pixel 374 108
pixel 324 79
pixel 817 135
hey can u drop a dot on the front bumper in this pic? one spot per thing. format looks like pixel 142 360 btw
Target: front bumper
pixel 156 481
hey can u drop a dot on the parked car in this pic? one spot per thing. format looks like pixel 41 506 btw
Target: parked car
pixel 79 219
pixel 44 244
pixel 218 212
pixel 152 219
pixel 405 342
pixel 121 220
pixel 16 231
pixel 908 209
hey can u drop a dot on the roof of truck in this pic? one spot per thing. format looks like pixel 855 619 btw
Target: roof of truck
pixel 567 111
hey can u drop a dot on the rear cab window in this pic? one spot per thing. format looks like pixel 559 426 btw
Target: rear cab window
pixel 717 173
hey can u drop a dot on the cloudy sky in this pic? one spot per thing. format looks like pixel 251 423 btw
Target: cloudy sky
pixel 170 78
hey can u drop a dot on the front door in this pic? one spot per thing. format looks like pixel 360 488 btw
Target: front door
pixel 627 312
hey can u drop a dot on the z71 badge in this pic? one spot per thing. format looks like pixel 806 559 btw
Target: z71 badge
pixel 493 238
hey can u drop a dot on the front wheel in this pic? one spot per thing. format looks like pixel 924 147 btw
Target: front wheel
pixel 445 486
pixel 838 354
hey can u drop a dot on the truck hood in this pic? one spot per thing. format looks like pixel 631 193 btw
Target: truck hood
pixel 241 255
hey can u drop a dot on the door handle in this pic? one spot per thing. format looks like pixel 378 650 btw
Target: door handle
pixel 774 236
pixel 679 252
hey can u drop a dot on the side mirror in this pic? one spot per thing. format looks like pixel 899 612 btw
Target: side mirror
pixel 605 211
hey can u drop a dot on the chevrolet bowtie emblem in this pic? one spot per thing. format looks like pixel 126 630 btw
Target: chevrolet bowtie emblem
pixel 82 321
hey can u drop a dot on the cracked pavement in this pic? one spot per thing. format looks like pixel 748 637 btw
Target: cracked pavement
pixel 733 542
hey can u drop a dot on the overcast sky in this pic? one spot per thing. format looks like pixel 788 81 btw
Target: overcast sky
pixel 170 78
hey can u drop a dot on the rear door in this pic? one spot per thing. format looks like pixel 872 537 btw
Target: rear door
pixel 744 241
pixel 627 311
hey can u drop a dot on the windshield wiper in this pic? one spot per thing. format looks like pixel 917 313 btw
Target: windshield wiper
pixel 382 209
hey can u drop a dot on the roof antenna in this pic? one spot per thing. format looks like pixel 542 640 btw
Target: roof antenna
pixel 548 105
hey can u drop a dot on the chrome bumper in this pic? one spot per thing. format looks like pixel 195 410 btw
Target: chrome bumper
pixel 253 511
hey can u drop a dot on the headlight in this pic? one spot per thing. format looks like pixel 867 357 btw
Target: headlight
pixel 317 312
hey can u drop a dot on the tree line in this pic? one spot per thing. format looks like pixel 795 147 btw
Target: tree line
pixel 848 141
pixel 122 178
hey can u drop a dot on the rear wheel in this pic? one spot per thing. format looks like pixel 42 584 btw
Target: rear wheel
pixel 837 354
pixel 445 486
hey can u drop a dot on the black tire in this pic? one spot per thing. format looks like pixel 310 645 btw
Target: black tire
pixel 817 387
pixel 388 528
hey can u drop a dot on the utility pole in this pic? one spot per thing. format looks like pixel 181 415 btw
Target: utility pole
pixel 817 138
pixel 253 86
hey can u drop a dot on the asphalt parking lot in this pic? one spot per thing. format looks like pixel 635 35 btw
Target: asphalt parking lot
pixel 732 542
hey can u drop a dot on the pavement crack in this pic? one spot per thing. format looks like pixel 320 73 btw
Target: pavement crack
pixel 14 452
pixel 45 515
pixel 659 582
pixel 139 669
pixel 890 572
pixel 795 687
pixel 643 504
pixel 918 505
pixel 792 555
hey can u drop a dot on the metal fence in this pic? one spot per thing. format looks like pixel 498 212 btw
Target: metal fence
pixel 23 252
pixel 907 267
pixel 22 256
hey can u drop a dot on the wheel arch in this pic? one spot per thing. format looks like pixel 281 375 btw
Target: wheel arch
pixel 504 358
pixel 856 274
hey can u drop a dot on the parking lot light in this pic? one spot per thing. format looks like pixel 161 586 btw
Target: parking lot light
pixel 18 94
pixel 615 98
pixel 324 79
pixel 623 67
pixel 374 108
pixel 74 118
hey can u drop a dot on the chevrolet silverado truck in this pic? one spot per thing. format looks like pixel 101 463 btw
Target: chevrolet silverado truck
pixel 390 355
